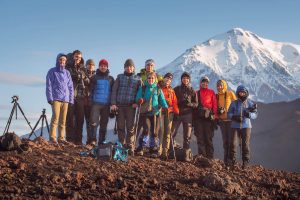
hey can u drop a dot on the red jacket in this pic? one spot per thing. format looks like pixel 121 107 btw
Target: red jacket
pixel 171 99
pixel 207 99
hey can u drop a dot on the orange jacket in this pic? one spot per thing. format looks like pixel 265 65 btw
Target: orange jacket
pixel 171 99
pixel 224 99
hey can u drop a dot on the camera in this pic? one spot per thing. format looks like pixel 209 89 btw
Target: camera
pixel 221 110
pixel 15 98
pixel 253 108
pixel 113 113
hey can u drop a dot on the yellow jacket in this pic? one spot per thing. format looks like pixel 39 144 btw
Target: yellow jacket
pixel 224 99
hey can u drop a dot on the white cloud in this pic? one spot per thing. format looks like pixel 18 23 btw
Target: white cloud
pixel 18 79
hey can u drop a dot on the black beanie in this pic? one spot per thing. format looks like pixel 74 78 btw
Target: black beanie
pixel 169 75
pixel 128 62
pixel 185 74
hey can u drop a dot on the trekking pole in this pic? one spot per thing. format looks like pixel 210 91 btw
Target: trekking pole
pixel 137 119
pixel 171 138
pixel 116 127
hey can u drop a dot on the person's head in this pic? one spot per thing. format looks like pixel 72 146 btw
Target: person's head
pixel 168 77
pixel 221 86
pixel 61 60
pixel 90 65
pixel 129 66
pixel 103 65
pixel 151 78
pixel 242 92
pixel 204 82
pixel 185 78
pixel 77 56
pixel 149 65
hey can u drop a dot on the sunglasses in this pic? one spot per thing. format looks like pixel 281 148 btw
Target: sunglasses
pixel 151 77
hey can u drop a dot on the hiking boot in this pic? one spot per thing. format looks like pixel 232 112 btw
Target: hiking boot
pixel 164 157
pixel 63 142
pixel 245 164
pixel 139 151
pixel 153 152
pixel 130 152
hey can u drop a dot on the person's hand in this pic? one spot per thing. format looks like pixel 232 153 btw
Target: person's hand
pixel 50 102
pixel 237 118
pixel 113 107
pixel 140 101
pixel 135 105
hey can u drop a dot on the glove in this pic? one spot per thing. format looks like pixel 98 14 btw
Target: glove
pixel 140 101
pixel 50 102
pixel 247 114
pixel 237 118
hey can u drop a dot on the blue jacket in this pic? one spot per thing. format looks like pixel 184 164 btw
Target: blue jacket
pixel 158 99
pixel 59 85
pixel 241 107
pixel 101 86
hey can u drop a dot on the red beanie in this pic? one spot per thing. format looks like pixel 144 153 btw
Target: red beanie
pixel 103 62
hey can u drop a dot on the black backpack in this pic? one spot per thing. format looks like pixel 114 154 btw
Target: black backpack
pixel 10 142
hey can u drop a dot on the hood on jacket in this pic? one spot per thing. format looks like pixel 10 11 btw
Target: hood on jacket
pixel 225 87
pixel 57 58
pixel 242 88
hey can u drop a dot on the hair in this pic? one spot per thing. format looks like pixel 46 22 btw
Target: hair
pixel 152 74
pixel 76 52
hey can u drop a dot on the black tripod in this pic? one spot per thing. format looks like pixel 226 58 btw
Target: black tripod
pixel 43 117
pixel 14 109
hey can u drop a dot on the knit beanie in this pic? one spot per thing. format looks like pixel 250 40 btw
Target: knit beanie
pixel 168 75
pixel 129 62
pixel 149 61
pixel 90 62
pixel 185 74
pixel 204 78
pixel 103 62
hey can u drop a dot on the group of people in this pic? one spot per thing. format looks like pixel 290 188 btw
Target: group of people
pixel 146 103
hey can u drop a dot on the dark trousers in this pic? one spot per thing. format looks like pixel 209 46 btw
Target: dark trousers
pixel 102 112
pixel 244 135
pixel 152 124
pixel 204 133
pixel 126 125
pixel 186 121
pixel 225 127
pixel 75 120
pixel 87 115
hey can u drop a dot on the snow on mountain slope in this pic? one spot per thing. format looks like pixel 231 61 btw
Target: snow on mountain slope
pixel 270 70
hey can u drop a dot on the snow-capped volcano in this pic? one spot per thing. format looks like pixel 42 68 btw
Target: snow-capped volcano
pixel 269 69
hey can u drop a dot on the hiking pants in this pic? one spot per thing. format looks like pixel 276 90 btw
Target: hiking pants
pixel 59 114
pixel 244 135
pixel 225 127
pixel 87 115
pixel 70 123
pixel 125 118
pixel 102 112
pixel 204 133
pixel 186 121
pixel 152 123
pixel 165 137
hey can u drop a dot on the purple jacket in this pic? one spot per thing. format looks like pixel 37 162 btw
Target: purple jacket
pixel 59 85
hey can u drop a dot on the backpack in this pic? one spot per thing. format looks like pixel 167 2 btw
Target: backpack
pixel 10 142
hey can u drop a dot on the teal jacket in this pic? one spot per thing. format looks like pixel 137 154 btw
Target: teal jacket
pixel 158 99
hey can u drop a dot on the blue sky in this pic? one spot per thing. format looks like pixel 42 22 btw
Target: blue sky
pixel 33 32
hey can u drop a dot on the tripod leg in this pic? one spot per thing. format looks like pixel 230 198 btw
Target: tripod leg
pixel 32 132
pixel 47 125
pixel 24 115
pixel 10 118
pixel 43 118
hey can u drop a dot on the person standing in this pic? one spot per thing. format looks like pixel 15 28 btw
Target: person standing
pixel 204 119
pixel 167 115
pixel 224 99
pixel 59 92
pixel 101 87
pixel 240 112
pixel 187 102
pixel 123 101
pixel 90 68
pixel 75 117
pixel 151 99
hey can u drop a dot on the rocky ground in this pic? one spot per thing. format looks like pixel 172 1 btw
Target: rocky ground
pixel 48 171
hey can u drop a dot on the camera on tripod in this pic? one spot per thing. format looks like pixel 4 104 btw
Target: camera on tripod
pixel 15 98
